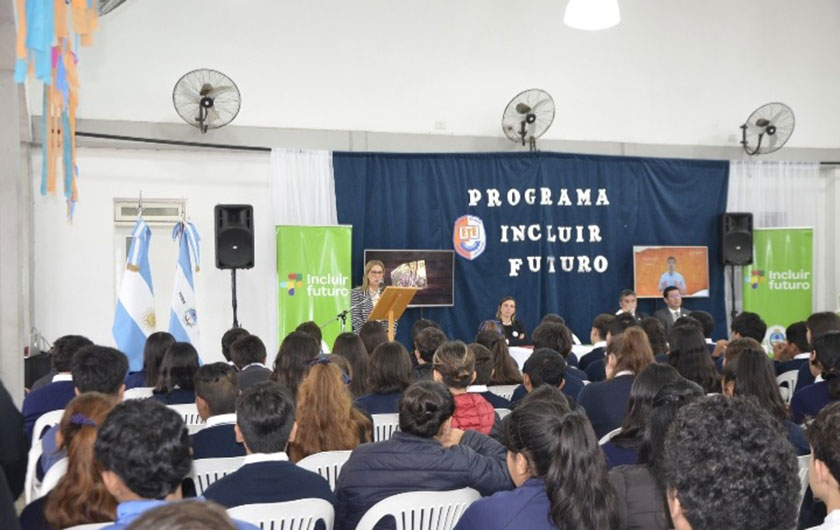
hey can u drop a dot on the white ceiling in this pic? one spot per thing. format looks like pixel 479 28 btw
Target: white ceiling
pixel 673 71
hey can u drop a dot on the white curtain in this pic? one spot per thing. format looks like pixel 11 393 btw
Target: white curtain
pixel 789 194
pixel 302 188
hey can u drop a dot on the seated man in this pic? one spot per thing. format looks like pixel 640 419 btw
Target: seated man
pixel 598 338
pixel 58 393
pixel 824 470
pixel 144 451
pixel 215 397
pixel 425 345
pixel 248 354
pixel 673 308
pixel 794 351
pixel 597 369
pixel 94 369
pixel 265 422
pixel 729 464
pixel 628 303
pixel 232 335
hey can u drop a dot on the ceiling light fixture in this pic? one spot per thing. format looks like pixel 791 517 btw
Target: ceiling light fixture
pixel 592 15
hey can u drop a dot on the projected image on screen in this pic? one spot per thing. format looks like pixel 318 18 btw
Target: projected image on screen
pixel 656 268
pixel 431 271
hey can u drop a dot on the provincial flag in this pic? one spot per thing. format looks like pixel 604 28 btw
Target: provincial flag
pixel 183 317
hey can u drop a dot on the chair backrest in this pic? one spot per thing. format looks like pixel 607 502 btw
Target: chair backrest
pixel 189 412
pixel 45 421
pixel 385 425
pixel 502 412
pixel 140 392
pixel 31 483
pixel 206 471
pixel 302 514
pixel 609 436
pixel 804 462
pixel 327 464
pixel 506 391
pixel 787 383
pixel 89 526
pixel 421 510
pixel 52 476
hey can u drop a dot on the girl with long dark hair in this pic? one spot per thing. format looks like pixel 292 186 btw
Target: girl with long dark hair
pixel 808 402
pixel 297 350
pixel 153 351
pixel 351 347
pixel 690 356
pixel 390 373
pixel 505 370
pixel 177 372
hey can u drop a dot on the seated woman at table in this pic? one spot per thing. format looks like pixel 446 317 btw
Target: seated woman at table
pixel 512 328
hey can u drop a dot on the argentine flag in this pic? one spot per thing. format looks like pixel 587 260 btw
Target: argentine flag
pixel 183 318
pixel 134 318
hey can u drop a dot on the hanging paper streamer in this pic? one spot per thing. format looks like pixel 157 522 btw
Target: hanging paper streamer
pixel 48 51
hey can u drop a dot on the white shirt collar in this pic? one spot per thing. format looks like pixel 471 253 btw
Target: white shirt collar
pixel 818 379
pixel 806 355
pixel 62 377
pixel 831 521
pixel 261 365
pixel 220 419
pixel 623 372
pixel 709 341
pixel 255 458
pixel 477 389
pixel 600 344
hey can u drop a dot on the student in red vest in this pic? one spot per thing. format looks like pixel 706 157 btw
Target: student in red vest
pixel 454 366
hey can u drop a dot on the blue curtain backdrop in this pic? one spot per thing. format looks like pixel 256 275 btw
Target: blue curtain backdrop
pixel 411 201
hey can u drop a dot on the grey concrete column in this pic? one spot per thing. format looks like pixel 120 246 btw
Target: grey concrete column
pixel 15 214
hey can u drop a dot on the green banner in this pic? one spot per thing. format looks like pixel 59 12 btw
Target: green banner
pixel 778 285
pixel 313 277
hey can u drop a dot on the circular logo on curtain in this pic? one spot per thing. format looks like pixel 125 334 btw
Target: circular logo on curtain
pixel 469 237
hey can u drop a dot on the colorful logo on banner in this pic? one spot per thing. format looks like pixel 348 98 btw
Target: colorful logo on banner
pixel 756 278
pixel 469 237
pixel 294 281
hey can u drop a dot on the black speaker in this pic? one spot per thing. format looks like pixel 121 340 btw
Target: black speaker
pixel 234 236
pixel 737 238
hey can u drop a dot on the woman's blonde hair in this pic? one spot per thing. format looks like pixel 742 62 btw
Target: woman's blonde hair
pixel 80 497
pixel 632 351
pixel 499 309
pixel 368 266
pixel 326 419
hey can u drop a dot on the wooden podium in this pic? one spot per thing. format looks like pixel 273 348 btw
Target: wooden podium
pixel 391 306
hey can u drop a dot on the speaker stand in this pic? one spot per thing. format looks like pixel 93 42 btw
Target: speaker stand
pixel 233 292
pixel 732 313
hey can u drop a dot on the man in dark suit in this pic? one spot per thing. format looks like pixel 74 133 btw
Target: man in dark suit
pixel 673 310
pixel 248 354
pixel 265 422
pixel 216 390
pixel 628 303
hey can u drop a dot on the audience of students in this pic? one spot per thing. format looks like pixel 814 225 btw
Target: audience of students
pixel 728 464
pixel 640 487
pixel 454 366
pixel 606 402
pixel 425 345
pixel 655 332
pixel 751 374
pixel 249 355
pixel 597 369
pixel 153 351
pixel 794 351
pixel 80 497
pixel 297 351
pixel 598 339
pixel 176 385
pixel 265 424
pixel 230 336
pixel 61 354
pixel 389 374
pixel 315 330
pixel 816 325
pixel 808 402
pixel 623 448
pixel 558 469
pixel 546 367
pixel 426 454
pixel 350 347
pixel 372 334
pixel 326 418
pixel 558 337
pixel 505 369
pixel 216 390
pixel 690 356
pixel 483 374
pixel 824 468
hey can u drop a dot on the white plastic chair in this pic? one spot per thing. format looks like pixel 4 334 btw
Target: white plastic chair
pixel 189 413
pixel 609 436
pixel 787 384
pixel 804 462
pixel 506 391
pixel 52 476
pixel 327 464
pixel 302 514
pixel 89 526
pixel 31 483
pixel 44 421
pixel 421 510
pixel 140 392
pixel 206 471
pixel 502 412
pixel 384 426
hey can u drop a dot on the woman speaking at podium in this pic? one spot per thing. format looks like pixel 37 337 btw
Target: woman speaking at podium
pixel 365 296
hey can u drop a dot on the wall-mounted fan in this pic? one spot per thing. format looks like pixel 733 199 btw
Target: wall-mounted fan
pixel 528 116
pixel 206 99
pixel 767 129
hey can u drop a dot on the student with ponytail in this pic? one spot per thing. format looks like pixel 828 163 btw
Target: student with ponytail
pixel 558 468
pixel 80 497
pixel 808 402
pixel 454 366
